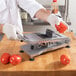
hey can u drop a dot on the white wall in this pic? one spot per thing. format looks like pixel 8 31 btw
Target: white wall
pixel 48 2
pixel 72 13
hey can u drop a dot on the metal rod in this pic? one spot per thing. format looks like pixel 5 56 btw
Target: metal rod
pixel 66 9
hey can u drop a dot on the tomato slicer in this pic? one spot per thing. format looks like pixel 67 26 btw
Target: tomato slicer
pixel 38 43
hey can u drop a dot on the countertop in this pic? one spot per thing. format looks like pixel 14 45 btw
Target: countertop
pixel 43 63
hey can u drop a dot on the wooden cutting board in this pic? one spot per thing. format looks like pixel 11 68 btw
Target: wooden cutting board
pixel 46 62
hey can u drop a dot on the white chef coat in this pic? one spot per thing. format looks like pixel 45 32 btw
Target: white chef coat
pixel 9 11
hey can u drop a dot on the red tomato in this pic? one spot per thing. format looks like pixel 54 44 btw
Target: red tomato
pixel 54 0
pixel 15 59
pixel 5 58
pixel 61 28
pixel 64 59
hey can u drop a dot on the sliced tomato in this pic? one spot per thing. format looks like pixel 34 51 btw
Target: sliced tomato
pixel 61 27
pixel 15 59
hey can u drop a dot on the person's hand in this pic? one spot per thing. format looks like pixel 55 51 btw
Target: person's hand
pixel 57 23
pixel 11 31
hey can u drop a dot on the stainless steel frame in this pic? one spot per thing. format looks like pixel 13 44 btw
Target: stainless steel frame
pixel 38 43
pixel 66 10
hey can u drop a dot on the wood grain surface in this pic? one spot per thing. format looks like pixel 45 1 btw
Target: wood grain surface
pixel 46 62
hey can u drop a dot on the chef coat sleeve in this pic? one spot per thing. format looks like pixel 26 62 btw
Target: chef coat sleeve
pixel 31 6
pixel 2 5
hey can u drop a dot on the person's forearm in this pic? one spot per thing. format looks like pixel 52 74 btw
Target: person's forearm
pixel 1 28
pixel 42 14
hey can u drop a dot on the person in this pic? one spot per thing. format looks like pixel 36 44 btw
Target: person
pixel 10 20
